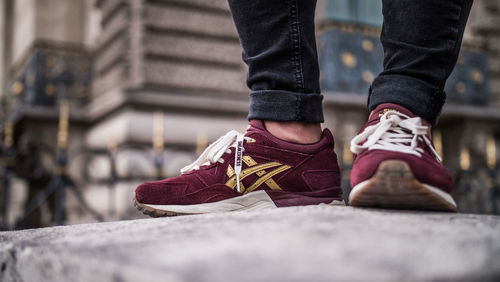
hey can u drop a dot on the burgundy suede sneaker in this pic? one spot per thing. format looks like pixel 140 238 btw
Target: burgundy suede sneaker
pixel 244 172
pixel 396 165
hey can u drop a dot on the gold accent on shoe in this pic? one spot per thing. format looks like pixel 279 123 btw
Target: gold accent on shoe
pixel 249 161
pixel 386 110
pixel 248 171
pixel 254 167
pixel 266 177
pixel 230 171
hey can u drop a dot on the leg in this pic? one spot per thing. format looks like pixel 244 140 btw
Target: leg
pixel 421 41
pixel 279 48
pixel 270 166
pixel 396 164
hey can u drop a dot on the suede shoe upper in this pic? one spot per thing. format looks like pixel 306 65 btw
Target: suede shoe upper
pixel 291 174
pixel 420 155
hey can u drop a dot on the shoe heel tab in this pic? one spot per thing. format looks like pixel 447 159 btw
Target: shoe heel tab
pixel 257 124
pixel 327 134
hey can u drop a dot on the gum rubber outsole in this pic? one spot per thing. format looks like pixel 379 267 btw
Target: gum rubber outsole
pixel 256 200
pixel 394 186
pixel 151 211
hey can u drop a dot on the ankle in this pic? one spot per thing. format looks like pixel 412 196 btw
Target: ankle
pixel 296 132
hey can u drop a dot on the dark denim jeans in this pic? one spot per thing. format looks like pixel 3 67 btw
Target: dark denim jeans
pixel 421 40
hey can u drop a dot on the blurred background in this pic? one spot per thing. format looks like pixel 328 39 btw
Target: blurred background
pixel 98 96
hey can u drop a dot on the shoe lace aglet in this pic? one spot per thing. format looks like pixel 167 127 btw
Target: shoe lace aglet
pixel 238 182
pixel 238 155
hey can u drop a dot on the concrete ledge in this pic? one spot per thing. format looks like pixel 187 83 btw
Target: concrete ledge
pixel 317 243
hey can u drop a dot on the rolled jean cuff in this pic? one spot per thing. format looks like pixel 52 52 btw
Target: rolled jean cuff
pixel 421 98
pixel 280 105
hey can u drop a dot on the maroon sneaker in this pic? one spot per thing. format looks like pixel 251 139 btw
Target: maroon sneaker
pixel 396 165
pixel 251 171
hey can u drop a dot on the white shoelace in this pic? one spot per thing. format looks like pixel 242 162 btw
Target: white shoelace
pixel 213 153
pixel 395 132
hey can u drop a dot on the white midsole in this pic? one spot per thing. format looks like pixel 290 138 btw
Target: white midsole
pixel 436 191
pixel 256 200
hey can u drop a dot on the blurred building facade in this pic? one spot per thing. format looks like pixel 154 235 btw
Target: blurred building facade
pixel 105 94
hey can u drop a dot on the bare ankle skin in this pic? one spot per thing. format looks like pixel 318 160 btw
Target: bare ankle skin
pixel 296 132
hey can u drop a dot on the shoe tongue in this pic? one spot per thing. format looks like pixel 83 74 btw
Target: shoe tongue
pixel 255 124
pixel 381 109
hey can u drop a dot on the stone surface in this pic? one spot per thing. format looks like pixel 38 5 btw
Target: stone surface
pixel 195 77
pixel 188 20
pixel 23 29
pixel 179 128
pixel 51 13
pixel 318 243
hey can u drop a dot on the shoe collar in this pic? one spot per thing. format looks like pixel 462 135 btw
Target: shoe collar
pixel 258 131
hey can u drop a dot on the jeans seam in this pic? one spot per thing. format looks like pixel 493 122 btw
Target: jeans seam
pixel 295 35
pixel 432 98
pixel 457 40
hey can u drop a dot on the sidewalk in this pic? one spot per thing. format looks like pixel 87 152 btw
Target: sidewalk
pixel 316 243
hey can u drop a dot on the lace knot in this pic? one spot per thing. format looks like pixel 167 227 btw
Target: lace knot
pixel 395 132
pixel 214 152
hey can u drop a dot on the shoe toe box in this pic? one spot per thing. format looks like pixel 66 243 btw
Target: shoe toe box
pixel 425 169
pixel 158 192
